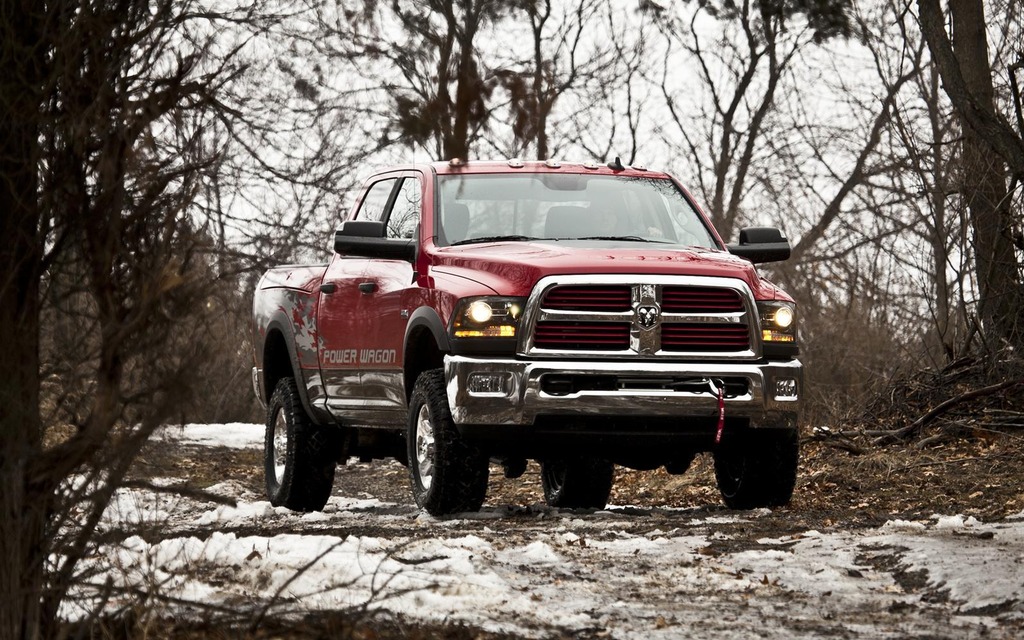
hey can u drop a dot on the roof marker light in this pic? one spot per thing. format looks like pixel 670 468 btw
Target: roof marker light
pixel 552 164
pixel 639 167
pixel 456 162
pixel 515 163
pixel 590 165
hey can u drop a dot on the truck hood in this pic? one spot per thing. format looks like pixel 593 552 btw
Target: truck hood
pixel 512 268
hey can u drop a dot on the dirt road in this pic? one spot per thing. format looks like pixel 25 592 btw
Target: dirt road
pixel 523 569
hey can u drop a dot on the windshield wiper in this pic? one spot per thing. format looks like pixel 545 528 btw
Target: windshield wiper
pixel 494 239
pixel 626 238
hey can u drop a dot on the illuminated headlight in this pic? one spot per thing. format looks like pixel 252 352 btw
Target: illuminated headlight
pixel 480 312
pixel 783 317
pixel 778 321
pixel 487 318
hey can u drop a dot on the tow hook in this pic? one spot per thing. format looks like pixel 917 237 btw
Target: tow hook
pixel 717 387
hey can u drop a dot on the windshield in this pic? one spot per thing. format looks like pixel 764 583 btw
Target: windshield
pixel 624 211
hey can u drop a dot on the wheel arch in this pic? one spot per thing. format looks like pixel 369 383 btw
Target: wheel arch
pixel 280 360
pixel 426 343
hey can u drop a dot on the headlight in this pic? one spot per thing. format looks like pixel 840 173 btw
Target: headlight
pixel 778 321
pixel 783 317
pixel 480 312
pixel 487 318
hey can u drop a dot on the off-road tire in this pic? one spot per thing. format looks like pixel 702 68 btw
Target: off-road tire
pixel 758 469
pixel 577 483
pixel 310 456
pixel 456 480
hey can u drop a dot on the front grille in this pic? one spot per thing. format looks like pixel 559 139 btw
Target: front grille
pixel 704 337
pixel 609 299
pixel 582 336
pixel 700 300
pixel 651 317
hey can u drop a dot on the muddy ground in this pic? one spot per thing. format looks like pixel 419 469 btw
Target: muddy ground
pixel 837 492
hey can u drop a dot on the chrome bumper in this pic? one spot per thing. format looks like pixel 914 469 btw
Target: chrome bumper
pixel 510 392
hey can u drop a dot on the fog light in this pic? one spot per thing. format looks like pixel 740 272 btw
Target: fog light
pixel 785 389
pixel 489 383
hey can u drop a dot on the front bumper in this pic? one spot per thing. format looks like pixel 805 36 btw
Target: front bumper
pixel 511 392
pixel 257 385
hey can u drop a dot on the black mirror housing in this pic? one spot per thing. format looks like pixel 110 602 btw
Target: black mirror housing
pixel 366 238
pixel 762 244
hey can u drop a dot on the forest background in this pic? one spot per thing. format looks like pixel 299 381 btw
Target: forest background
pixel 158 155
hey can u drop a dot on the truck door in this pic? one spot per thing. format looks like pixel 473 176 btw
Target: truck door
pixel 341 319
pixel 391 294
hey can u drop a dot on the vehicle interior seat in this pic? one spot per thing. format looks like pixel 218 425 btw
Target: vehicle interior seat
pixel 455 222
pixel 566 221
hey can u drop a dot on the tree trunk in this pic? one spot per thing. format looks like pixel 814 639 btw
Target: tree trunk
pixel 984 185
pixel 22 552
pixel 466 88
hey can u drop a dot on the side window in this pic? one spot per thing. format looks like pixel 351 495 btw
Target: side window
pixel 376 200
pixel 405 214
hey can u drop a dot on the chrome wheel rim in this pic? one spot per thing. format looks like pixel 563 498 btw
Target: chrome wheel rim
pixel 280 446
pixel 554 473
pixel 425 448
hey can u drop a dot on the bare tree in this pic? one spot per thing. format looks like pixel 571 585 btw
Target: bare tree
pixel 563 58
pixel 441 98
pixel 926 133
pixel 103 107
pixel 990 147
pixel 608 117
pixel 742 72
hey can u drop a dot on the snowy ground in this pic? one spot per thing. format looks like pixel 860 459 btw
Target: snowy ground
pixel 534 571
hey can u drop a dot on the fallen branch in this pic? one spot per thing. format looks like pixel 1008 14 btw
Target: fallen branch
pixel 184 491
pixel 912 429
pixel 835 440
pixel 935 463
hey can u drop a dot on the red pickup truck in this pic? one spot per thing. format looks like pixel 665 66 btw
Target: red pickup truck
pixel 579 315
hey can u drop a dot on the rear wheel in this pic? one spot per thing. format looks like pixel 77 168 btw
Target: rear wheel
pixel 577 483
pixel 448 474
pixel 299 456
pixel 759 470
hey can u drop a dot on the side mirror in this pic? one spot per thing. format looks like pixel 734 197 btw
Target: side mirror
pixel 366 238
pixel 761 244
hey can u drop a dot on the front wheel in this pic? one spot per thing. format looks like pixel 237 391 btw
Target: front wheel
pixel 448 474
pixel 299 456
pixel 759 470
pixel 577 483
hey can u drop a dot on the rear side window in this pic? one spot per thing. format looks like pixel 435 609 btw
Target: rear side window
pixel 376 200
pixel 405 213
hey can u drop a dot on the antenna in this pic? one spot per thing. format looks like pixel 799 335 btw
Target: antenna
pixel 616 165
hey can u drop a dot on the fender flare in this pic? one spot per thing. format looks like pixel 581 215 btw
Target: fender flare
pixel 279 321
pixel 427 317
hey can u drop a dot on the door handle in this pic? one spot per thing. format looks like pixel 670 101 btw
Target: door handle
pixel 367 287
pixel 328 287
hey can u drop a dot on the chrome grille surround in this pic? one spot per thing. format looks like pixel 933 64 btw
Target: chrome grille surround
pixel 644 342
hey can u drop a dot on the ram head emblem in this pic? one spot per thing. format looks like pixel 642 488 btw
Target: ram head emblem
pixel 647 316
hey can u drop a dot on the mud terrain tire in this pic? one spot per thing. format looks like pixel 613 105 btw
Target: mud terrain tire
pixel 448 475
pixel 759 469
pixel 577 483
pixel 299 456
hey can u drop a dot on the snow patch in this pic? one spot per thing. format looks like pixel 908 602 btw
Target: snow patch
pixel 236 435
